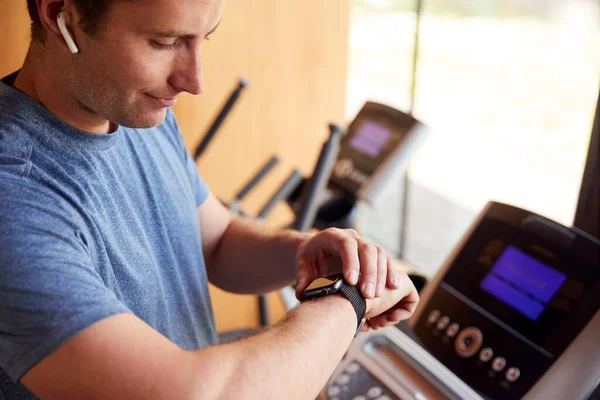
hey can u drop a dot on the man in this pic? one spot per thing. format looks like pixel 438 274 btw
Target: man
pixel 105 228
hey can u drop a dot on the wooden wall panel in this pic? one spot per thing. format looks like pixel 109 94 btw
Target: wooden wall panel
pixel 294 54
pixel 14 35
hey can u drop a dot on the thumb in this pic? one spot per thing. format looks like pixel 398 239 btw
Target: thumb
pixel 305 274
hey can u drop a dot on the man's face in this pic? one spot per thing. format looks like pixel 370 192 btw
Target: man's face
pixel 145 53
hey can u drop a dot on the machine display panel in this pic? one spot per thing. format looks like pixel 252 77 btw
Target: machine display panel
pixel 371 138
pixel 522 282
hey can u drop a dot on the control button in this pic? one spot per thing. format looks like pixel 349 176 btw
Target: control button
pixel 452 329
pixel 512 374
pixel 334 391
pixel 419 396
pixel 343 379
pixel 433 316
pixel 486 354
pixel 498 364
pixel 485 259
pixel 561 303
pixel 494 247
pixel 375 391
pixel 572 289
pixel 468 342
pixel 353 368
pixel 361 397
pixel 443 323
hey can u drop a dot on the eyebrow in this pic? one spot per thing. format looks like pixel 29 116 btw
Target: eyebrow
pixel 173 33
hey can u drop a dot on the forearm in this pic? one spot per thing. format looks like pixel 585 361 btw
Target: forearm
pixel 122 357
pixel 252 259
pixel 291 360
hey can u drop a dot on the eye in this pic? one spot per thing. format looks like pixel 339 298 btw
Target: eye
pixel 164 46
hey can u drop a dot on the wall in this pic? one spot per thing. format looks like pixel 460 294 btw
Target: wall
pixel 14 34
pixel 294 54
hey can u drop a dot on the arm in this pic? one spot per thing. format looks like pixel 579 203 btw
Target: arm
pixel 123 358
pixel 244 257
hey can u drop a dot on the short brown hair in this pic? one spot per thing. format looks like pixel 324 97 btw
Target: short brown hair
pixel 90 11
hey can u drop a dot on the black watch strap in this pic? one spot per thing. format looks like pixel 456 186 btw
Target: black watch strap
pixel 358 302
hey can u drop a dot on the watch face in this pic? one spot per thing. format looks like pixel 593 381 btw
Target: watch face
pixel 323 282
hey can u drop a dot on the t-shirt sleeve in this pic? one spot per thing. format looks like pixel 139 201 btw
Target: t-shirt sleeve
pixel 201 190
pixel 49 289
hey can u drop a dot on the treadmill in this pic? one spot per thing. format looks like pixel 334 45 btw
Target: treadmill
pixel 513 313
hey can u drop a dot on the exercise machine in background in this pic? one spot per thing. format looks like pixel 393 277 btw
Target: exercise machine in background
pixel 373 157
pixel 513 313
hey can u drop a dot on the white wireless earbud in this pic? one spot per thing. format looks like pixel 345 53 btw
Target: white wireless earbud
pixel 60 20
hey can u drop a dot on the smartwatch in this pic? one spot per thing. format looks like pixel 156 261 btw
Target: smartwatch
pixel 335 284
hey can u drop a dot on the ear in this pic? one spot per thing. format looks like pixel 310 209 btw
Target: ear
pixel 49 10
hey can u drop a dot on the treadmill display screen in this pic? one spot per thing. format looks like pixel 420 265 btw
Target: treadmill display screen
pixel 522 282
pixel 371 138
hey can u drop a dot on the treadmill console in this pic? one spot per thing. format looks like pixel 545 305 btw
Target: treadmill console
pixel 511 299
pixel 514 313
pixel 379 142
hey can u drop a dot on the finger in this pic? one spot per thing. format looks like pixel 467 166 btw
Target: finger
pixel 392 274
pixel 335 241
pixel 305 274
pixel 388 318
pixel 382 270
pixel 368 268
pixel 368 323
pixel 383 321
pixel 411 300
pixel 399 314
pixel 365 327
pixel 350 260
pixel 375 322
pixel 406 307
pixel 352 233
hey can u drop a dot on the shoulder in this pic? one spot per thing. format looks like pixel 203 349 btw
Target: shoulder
pixel 17 123
pixel 16 144
pixel 28 204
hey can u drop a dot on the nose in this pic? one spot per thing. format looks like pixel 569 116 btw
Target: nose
pixel 187 74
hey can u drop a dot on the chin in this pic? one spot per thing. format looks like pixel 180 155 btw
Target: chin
pixel 148 119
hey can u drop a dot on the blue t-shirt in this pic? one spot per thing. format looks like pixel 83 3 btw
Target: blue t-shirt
pixel 94 225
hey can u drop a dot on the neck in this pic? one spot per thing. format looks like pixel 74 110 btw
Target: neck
pixel 37 80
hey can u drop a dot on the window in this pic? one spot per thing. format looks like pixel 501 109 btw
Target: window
pixel 508 89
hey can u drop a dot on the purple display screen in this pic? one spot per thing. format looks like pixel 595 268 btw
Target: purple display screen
pixel 522 282
pixel 371 138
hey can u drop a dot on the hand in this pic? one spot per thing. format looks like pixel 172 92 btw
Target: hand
pixel 393 306
pixel 342 250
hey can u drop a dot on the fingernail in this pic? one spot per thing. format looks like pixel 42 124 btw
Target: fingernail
pixel 395 281
pixel 380 289
pixel 370 289
pixel 353 276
